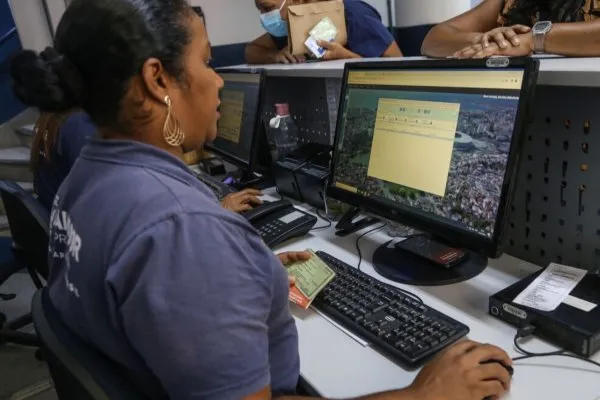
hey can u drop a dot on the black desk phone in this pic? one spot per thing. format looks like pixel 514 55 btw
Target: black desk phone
pixel 279 221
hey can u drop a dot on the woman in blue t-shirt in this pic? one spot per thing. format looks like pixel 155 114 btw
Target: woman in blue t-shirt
pixel 367 36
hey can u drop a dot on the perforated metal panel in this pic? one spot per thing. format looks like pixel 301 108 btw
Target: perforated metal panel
pixel 555 215
pixel 310 101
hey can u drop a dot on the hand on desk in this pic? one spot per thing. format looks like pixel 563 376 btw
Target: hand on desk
pixel 285 57
pixel 478 50
pixel 458 374
pixel 504 37
pixel 242 201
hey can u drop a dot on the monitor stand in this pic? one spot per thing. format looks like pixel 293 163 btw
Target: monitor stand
pixel 407 268
pixel 348 224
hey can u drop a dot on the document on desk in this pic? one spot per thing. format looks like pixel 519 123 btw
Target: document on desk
pixel 551 288
pixel 311 277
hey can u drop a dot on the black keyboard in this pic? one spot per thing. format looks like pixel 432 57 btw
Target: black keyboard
pixel 219 188
pixel 398 325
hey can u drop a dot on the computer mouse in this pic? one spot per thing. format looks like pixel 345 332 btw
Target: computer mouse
pixel 507 367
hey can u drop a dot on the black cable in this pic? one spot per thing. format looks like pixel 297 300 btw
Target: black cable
pixel 527 331
pixel 405 292
pixel 362 236
pixel 327 220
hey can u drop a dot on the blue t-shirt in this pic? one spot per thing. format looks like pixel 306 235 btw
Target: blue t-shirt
pixel 367 36
pixel 149 268
pixel 72 136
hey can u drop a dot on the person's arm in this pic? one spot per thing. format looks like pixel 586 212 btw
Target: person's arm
pixel 574 39
pixel 457 33
pixel 262 50
pixel 265 394
pixel 559 41
pixel 393 51
pixel 461 372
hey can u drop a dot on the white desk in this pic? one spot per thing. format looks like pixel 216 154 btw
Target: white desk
pixel 339 367
pixel 553 71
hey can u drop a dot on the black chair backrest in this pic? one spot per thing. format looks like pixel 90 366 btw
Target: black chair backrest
pixel 79 371
pixel 29 226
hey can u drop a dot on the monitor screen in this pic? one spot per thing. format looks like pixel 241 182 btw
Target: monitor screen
pixel 431 143
pixel 240 99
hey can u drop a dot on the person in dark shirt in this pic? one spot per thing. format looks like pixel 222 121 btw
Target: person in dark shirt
pixel 146 266
pixel 507 27
pixel 57 142
pixel 367 36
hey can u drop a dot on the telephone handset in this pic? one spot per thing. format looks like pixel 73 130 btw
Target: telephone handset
pixel 279 221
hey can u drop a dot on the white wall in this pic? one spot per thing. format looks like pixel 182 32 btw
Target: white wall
pixel 425 12
pixel 230 21
pixel 32 24
pixel 56 9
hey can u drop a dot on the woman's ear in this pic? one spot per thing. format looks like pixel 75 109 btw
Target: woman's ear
pixel 155 79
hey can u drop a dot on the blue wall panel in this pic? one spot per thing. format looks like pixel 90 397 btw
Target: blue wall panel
pixel 9 45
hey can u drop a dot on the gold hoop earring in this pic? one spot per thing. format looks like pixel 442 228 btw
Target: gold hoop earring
pixel 172 132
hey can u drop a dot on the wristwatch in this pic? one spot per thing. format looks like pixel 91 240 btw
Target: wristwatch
pixel 540 30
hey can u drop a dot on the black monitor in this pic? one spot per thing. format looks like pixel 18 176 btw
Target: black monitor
pixel 239 128
pixel 433 144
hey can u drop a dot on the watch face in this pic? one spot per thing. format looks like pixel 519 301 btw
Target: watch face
pixel 542 27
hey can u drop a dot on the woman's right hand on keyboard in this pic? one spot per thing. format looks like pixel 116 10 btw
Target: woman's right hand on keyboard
pixel 458 374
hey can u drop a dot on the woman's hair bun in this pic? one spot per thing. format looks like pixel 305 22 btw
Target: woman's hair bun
pixel 47 80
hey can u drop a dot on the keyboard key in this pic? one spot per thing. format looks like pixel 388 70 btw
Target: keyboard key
pixel 377 306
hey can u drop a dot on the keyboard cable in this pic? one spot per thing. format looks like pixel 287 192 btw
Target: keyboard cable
pixel 358 239
pixel 527 331
pixel 360 257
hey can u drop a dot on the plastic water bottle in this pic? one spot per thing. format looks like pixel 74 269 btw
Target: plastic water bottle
pixel 283 133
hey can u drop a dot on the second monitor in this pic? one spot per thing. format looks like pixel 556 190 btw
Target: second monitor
pixel 238 130
pixel 434 145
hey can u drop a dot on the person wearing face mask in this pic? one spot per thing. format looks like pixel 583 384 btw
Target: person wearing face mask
pixel 519 28
pixel 367 36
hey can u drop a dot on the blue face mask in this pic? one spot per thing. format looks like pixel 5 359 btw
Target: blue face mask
pixel 273 23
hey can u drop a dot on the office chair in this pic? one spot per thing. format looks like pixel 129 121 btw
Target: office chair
pixel 29 226
pixel 9 329
pixel 79 371
pixel 28 248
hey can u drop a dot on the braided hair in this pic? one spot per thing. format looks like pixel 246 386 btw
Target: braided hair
pixel 524 12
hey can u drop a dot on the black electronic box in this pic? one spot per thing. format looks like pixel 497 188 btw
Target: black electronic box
pixel 575 328
pixel 312 180
pixel 302 174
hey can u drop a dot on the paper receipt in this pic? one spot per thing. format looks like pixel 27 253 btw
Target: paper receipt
pixel 311 277
pixel 551 288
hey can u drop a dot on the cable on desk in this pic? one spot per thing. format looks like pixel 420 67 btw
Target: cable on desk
pixel 327 221
pixel 362 236
pixel 528 331
pixel 406 292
